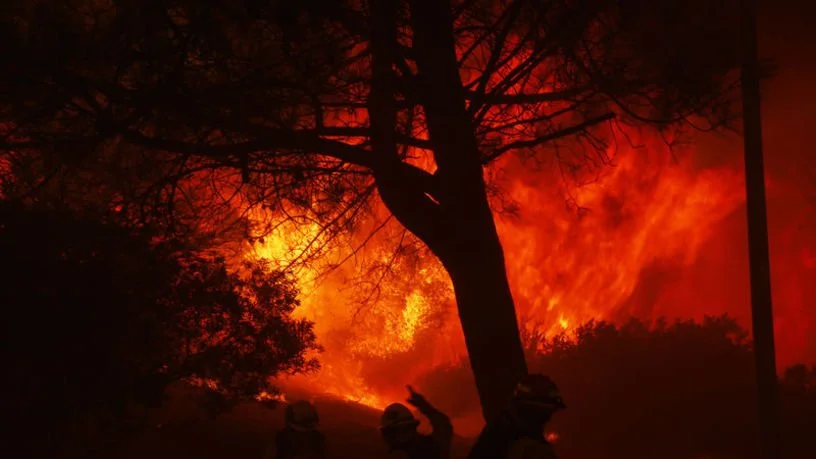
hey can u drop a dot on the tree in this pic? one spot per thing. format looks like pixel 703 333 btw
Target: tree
pixel 320 104
pixel 99 321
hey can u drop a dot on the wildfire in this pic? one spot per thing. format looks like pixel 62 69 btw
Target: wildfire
pixel 355 333
pixel 604 250
pixel 587 264
pixel 400 328
pixel 565 265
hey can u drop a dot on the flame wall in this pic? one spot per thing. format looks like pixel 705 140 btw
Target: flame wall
pixel 658 237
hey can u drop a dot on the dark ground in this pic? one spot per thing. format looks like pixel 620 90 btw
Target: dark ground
pixel 245 433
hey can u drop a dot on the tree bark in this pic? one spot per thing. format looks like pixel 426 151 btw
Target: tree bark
pixel 457 224
pixel 465 237
pixel 486 309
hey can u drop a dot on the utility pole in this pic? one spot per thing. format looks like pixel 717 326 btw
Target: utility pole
pixel 758 257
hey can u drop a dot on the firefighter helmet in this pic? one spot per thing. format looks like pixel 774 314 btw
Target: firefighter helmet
pixel 539 390
pixel 301 416
pixel 397 415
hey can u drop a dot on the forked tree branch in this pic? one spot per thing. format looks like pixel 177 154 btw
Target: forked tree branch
pixel 546 138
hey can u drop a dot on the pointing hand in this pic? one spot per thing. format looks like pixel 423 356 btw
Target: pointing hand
pixel 416 398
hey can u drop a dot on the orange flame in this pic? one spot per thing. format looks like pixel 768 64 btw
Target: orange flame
pixel 565 267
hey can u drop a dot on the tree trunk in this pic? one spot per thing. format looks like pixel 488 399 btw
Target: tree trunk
pixel 465 240
pixel 467 243
pixel 457 224
pixel 486 311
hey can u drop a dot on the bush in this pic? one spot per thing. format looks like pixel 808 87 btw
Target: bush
pixel 99 321
pixel 640 391
pixel 669 391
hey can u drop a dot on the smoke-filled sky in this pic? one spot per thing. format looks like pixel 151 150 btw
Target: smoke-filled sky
pixel 789 115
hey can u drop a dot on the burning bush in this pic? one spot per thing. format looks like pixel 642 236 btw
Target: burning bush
pixel 100 321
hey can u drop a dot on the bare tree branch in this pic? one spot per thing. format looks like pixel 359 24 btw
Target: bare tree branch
pixel 519 144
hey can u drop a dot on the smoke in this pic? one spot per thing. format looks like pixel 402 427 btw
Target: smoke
pixel 719 277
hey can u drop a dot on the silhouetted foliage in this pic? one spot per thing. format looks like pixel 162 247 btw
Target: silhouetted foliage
pixel 315 105
pixel 98 321
pixel 670 390
pixel 675 391
pixel 634 392
pixel 798 399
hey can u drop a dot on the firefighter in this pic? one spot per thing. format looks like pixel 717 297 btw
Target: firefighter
pixel 300 438
pixel 399 430
pixel 519 431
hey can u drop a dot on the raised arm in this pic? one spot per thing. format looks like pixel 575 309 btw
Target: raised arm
pixel 440 422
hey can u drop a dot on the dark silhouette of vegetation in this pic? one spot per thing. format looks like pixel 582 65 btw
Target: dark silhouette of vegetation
pixel 312 107
pixel 98 321
pixel 679 390
pixel 670 390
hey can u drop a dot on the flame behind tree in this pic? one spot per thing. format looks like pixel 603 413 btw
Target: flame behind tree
pixel 322 104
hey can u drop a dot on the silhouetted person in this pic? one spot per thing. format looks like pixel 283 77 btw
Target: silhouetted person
pixel 299 439
pixel 399 430
pixel 518 433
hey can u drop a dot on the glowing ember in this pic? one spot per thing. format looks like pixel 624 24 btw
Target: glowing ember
pixel 266 397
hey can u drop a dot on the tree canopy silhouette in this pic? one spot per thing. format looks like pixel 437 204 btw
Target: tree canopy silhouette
pixel 320 105
pixel 99 321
